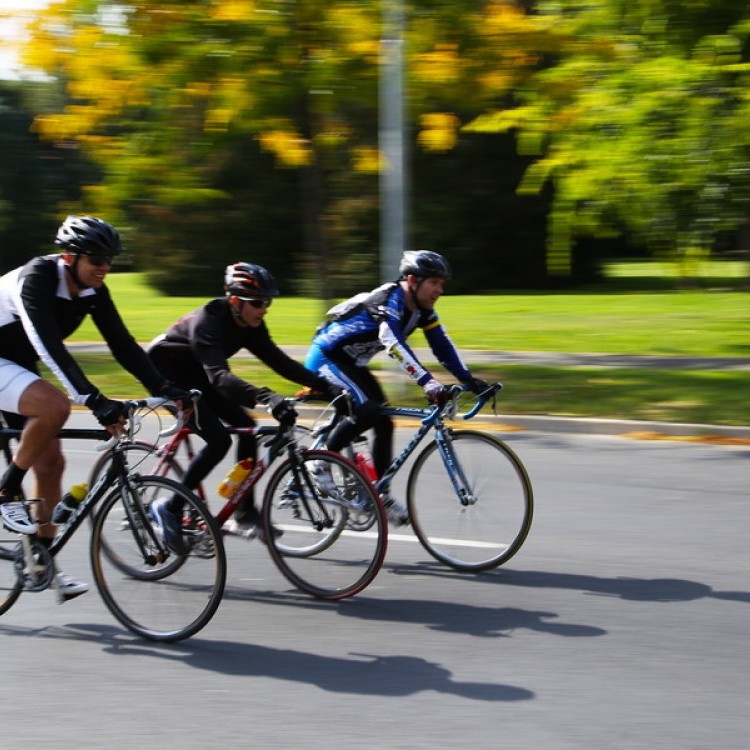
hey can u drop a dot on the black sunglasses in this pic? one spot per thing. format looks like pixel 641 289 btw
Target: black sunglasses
pixel 100 260
pixel 259 303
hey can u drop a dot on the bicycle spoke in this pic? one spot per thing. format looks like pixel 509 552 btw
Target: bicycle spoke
pixel 319 551
pixel 153 592
pixel 491 527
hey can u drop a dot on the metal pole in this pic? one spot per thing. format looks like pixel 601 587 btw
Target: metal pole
pixel 391 115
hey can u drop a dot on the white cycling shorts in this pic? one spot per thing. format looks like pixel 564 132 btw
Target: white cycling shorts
pixel 14 380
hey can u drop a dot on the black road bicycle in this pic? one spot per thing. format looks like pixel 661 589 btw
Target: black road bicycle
pixel 153 592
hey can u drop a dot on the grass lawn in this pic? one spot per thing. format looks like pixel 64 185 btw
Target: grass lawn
pixel 711 321
pixel 704 323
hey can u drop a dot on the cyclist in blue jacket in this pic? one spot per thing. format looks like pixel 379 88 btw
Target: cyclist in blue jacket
pixel 382 319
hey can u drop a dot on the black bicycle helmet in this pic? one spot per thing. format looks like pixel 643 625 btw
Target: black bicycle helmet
pixel 425 264
pixel 248 281
pixel 87 235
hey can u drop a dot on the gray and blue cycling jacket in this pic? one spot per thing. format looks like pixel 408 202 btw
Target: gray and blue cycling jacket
pixel 370 322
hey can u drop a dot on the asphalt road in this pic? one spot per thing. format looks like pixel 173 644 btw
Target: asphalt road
pixel 621 624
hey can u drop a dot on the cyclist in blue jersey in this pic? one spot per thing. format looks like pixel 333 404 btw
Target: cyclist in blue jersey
pixel 368 323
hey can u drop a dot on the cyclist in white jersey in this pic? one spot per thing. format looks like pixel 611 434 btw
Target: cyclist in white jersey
pixel 41 304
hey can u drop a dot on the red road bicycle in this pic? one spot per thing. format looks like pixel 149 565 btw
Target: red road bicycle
pixel 334 526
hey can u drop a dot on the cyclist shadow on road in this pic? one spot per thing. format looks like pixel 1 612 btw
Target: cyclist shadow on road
pixel 467 619
pixel 358 674
pixel 623 587
pixel 441 616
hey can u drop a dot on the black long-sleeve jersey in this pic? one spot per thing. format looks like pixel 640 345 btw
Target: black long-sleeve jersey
pixel 37 314
pixel 209 336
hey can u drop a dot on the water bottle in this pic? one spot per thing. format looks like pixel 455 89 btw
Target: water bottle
pixel 363 460
pixel 235 478
pixel 69 503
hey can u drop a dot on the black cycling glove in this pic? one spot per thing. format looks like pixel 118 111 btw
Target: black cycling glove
pixel 176 393
pixel 330 391
pixel 106 410
pixel 476 385
pixel 281 409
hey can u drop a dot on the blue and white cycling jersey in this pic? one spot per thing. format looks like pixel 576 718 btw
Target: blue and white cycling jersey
pixel 368 323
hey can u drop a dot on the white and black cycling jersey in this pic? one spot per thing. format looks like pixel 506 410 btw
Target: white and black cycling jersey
pixel 371 322
pixel 37 314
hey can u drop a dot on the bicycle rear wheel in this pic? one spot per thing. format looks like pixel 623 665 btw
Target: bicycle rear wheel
pixel 11 584
pixel 150 590
pixel 492 526
pixel 317 552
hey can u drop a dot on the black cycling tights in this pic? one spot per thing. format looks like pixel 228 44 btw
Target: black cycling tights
pixel 218 441
pixel 367 415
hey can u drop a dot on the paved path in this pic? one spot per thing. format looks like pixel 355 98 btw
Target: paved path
pixel 633 428
pixel 544 359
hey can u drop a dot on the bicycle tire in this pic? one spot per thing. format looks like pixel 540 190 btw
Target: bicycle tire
pixel 136 447
pixel 339 562
pixel 485 533
pixel 152 592
pixel 171 468
pixel 11 583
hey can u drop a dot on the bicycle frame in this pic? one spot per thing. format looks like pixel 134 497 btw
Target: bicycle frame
pixel 92 496
pixel 432 418
pixel 116 475
pixel 167 454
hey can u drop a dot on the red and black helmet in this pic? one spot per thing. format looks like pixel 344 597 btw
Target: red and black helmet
pixel 249 281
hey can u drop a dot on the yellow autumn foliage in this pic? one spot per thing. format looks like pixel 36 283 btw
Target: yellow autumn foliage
pixel 439 131
pixel 289 148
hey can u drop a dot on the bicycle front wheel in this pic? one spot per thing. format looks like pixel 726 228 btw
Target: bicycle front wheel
pixel 150 590
pixel 11 583
pixel 139 456
pixel 489 525
pixel 311 500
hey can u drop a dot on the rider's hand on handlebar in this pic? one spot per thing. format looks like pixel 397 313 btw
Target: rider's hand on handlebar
pixel 436 392
pixel 182 398
pixel 330 391
pixel 108 412
pixel 476 385
pixel 281 409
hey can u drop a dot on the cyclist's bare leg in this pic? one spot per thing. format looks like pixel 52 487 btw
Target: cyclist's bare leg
pixel 46 410
pixel 47 484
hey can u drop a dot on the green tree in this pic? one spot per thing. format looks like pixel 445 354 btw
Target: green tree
pixel 638 120
pixel 34 177
pixel 168 97
pixel 186 107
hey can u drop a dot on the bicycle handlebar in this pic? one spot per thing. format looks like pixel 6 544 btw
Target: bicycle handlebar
pixel 483 398
pixel 152 402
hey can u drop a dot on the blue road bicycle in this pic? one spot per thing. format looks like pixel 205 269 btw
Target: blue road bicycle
pixel 468 495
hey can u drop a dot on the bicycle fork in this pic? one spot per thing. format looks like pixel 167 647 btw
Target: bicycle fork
pixel 464 493
pixel 139 523
pixel 303 483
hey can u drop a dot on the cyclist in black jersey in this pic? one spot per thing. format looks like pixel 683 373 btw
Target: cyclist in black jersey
pixel 368 323
pixel 194 353
pixel 41 304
